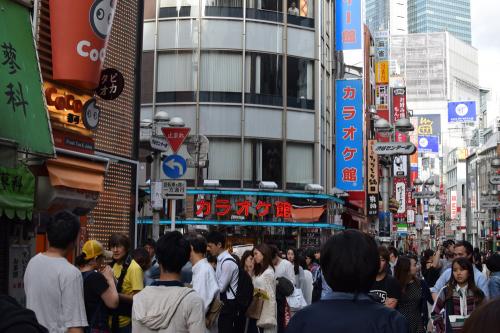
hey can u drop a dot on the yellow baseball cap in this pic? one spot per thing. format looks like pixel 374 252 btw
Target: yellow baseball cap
pixel 93 249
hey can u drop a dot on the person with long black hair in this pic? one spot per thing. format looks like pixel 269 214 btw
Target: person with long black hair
pixel 458 299
pixel 415 294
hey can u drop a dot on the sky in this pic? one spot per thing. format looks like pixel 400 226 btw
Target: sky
pixel 485 37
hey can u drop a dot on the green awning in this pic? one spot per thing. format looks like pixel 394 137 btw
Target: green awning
pixel 23 109
pixel 17 192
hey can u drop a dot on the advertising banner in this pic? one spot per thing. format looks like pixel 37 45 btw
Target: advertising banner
pixel 372 169
pixel 400 196
pixel 349 135
pixel 428 144
pixel 79 40
pixel 453 205
pixel 382 96
pixel 348 24
pixel 399 109
pixel 372 205
pixel 400 166
pixel 381 46
pixel 428 124
pixel 382 72
pixel 459 112
pixel 24 113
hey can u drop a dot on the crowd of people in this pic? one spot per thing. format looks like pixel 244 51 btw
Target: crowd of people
pixel 193 283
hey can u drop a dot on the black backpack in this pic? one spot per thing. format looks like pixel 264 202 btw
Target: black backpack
pixel 317 287
pixel 244 293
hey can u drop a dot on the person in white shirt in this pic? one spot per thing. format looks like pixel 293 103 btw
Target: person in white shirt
pixel 226 273
pixel 282 268
pixel 204 281
pixel 53 286
pixel 293 10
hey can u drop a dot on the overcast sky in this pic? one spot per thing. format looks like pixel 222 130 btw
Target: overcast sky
pixel 486 38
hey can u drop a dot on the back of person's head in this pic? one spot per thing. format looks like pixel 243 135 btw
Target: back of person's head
pixel 150 242
pixel 402 270
pixel 484 318
pixel 216 237
pixel 62 230
pixel 141 257
pixel 198 243
pixel 427 254
pixel 448 242
pixel 172 252
pixel 493 263
pixel 275 252
pixel 310 254
pixel 119 239
pixel 350 262
pixel 383 253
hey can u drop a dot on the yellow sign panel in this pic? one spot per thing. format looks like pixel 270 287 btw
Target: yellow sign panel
pixel 382 72
pixel 65 109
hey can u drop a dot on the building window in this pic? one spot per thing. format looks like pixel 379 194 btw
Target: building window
pixel 263 79
pixel 176 77
pixel 299 165
pixel 225 8
pixel 179 8
pixel 267 10
pixel 272 159
pixel 220 77
pixel 147 77
pixel 301 12
pixel 300 81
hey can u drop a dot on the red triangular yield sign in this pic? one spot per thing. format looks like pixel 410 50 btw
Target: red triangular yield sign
pixel 175 136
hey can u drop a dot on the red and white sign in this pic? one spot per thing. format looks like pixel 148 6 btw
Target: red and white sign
pixel 399 109
pixel 175 136
pixel 453 205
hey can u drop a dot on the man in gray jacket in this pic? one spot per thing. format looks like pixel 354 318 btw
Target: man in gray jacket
pixel 167 306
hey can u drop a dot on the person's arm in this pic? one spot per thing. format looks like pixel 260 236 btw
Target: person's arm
pixel 482 283
pixel 72 304
pixel 436 262
pixel 440 283
pixel 393 293
pixel 196 316
pixel 136 277
pixel 110 295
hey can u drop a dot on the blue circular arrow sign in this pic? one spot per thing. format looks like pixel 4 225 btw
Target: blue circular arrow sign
pixel 174 166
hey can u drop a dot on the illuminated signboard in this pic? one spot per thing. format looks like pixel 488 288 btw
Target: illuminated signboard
pixel 223 207
pixel 66 109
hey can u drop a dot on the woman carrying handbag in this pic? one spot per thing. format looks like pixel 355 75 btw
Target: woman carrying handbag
pixel 264 283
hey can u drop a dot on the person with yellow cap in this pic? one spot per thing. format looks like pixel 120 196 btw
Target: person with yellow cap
pixel 99 288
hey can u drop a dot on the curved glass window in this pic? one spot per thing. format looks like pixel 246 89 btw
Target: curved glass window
pixel 300 83
pixel 301 12
pixel 220 77
pixel 176 77
pixel 226 8
pixel 267 10
pixel 179 8
pixel 263 79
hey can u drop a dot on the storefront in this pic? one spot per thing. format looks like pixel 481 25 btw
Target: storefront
pixel 287 219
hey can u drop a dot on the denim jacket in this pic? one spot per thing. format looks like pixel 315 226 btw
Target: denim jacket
pixel 494 285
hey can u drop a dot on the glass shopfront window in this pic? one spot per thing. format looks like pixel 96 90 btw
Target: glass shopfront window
pixel 300 81
pixel 301 12
pixel 263 79
pixel 225 8
pixel 267 10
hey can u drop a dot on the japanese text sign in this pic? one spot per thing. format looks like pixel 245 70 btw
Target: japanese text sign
pixel 348 24
pixel 428 144
pixel 175 136
pixel 399 109
pixel 453 205
pixel 372 169
pixel 461 111
pixel 428 124
pixel 349 135
pixel 24 113
pixel 223 208
pixel 400 196
pixel 382 72
pixel 372 204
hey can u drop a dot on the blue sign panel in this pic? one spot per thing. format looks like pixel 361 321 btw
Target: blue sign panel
pixel 348 24
pixel 460 112
pixel 174 166
pixel 349 135
pixel 428 144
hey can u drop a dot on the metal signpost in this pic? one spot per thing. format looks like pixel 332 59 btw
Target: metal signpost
pixel 174 190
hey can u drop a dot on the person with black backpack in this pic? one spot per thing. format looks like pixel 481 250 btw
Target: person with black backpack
pixel 235 286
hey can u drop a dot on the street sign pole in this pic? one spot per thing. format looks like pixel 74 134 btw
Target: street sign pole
pixel 172 214
pixel 156 176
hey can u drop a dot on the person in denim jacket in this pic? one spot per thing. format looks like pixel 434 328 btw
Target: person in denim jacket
pixel 493 265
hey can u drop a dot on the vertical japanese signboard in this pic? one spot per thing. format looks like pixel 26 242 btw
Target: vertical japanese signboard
pixel 24 113
pixel 382 72
pixel 400 196
pixel 349 135
pixel 348 24
pixel 372 170
pixel 453 205
pixel 372 205
pixel 399 109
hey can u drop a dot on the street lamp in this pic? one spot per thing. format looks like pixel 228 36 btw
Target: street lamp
pixel 418 182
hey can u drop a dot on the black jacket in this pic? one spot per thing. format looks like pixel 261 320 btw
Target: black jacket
pixel 15 319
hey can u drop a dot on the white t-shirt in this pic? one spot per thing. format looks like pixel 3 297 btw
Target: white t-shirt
pixel 54 291
pixel 205 283
pixel 285 269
